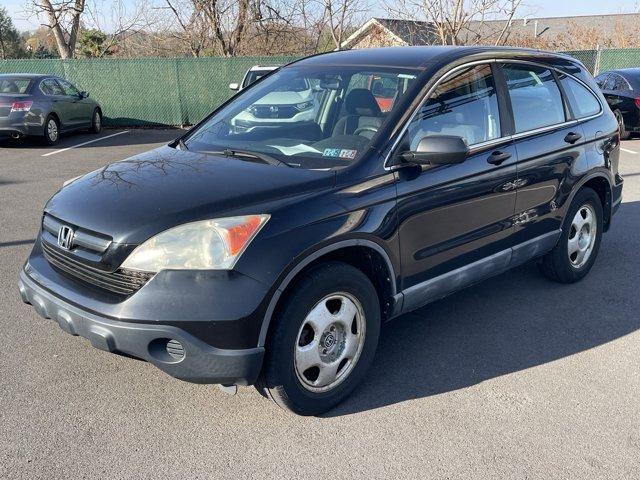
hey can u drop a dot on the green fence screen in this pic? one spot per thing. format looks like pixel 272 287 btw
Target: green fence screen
pixel 150 91
pixel 181 91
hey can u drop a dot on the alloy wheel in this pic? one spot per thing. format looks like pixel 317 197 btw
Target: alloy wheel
pixel 582 236
pixel 329 342
pixel 52 130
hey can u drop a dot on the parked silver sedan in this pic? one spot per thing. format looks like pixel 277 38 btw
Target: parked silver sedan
pixel 45 106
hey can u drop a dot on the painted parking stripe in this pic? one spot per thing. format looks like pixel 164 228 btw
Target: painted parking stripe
pixel 84 143
pixel 627 150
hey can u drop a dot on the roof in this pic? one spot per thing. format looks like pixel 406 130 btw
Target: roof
pixel 413 32
pixel 416 57
pixel 25 75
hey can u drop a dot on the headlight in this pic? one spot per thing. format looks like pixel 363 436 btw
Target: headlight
pixel 205 245
pixel 304 106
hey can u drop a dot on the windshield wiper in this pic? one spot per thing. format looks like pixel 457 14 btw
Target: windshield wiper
pixel 263 157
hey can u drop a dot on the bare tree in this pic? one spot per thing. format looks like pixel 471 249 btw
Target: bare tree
pixel 63 18
pixel 341 16
pixel 456 22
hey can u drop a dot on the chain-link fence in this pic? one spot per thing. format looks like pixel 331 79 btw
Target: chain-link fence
pixel 150 91
pixel 158 91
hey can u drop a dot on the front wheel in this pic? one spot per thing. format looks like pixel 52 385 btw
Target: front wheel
pixel 96 122
pixel 577 249
pixel 323 340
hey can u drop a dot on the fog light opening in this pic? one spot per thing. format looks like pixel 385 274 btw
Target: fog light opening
pixel 167 350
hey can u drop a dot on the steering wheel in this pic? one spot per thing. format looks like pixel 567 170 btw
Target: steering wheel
pixel 366 128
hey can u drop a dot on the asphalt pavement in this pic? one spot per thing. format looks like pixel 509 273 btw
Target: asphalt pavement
pixel 514 378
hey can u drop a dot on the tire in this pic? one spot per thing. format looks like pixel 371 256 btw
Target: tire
pixel 562 266
pixel 624 134
pixel 328 292
pixel 51 131
pixel 96 122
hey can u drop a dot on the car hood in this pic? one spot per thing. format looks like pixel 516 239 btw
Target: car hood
pixel 136 198
pixel 284 98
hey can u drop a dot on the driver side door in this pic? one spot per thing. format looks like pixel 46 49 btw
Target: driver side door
pixel 455 221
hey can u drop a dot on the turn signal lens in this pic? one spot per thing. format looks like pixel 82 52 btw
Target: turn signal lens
pixel 21 106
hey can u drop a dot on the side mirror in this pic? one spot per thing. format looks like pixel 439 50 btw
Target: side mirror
pixel 234 86
pixel 84 94
pixel 438 150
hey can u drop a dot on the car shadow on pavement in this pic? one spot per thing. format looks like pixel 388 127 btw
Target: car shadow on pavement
pixel 512 322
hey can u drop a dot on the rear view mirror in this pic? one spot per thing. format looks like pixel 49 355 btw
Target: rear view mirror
pixel 84 94
pixel 234 86
pixel 438 150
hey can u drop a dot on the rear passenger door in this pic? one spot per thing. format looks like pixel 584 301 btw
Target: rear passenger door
pixel 53 91
pixel 550 147
pixel 451 216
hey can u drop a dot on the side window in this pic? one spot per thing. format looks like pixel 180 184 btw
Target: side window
pixel 601 80
pixel 68 88
pixel 50 87
pixel 535 97
pixel 583 102
pixel 609 84
pixel 465 105
pixel 620 84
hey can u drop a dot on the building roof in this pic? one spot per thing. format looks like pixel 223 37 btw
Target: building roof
pixel 413 32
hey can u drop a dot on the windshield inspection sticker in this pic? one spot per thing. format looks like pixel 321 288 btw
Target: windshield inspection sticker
pixel 339 153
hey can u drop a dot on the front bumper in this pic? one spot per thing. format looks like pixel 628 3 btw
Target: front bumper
pixel 199 363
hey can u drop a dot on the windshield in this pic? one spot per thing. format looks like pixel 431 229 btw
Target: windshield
pixel 14 85
pixel 307 117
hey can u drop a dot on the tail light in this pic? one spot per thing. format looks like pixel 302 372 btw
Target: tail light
pixel 637 100
pixel 24 106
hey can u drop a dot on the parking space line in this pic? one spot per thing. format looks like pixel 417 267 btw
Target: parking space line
pixel 84 143
pixel 628 151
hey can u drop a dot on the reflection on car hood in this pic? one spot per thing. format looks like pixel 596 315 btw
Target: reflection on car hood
pixel 136 198
pixel 284 98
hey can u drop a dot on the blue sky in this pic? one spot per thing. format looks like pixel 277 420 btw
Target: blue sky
pixel 539 8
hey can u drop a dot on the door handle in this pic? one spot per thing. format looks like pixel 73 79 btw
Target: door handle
pixel 497 157
pixel 572 137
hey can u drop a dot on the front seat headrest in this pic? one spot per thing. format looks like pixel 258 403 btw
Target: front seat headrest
pixel 361 101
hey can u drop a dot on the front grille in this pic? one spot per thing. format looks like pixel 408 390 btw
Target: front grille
pixel 123 282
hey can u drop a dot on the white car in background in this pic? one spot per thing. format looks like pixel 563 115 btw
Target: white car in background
pixel 254 73
pixel 293 103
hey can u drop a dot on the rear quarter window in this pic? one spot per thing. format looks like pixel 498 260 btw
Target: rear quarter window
pixel 583 102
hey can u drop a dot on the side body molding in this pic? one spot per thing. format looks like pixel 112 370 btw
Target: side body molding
pixel 419 295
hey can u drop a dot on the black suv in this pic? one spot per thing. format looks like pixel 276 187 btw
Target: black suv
pixel 271 255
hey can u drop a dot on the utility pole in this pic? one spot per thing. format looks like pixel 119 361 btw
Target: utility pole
pixel 3 53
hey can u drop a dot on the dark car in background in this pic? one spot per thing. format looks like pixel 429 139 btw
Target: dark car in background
pixel 621 88
pixel 45 106
pixel 271 256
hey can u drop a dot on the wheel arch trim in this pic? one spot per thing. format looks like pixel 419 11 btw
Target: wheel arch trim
pixel 597 174
pixel 311 257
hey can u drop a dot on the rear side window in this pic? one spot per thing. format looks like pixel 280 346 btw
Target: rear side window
pixel 14 85
pixel 50 87
pixel 465 105
pixel 535 97
pixel 583 102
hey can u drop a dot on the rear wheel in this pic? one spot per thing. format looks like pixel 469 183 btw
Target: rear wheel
pixel 624 134
pixel 578 247
pixel 323 340
pixel 51 130
pixel 96 122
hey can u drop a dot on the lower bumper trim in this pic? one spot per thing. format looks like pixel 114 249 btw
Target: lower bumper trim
pixel 201 363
